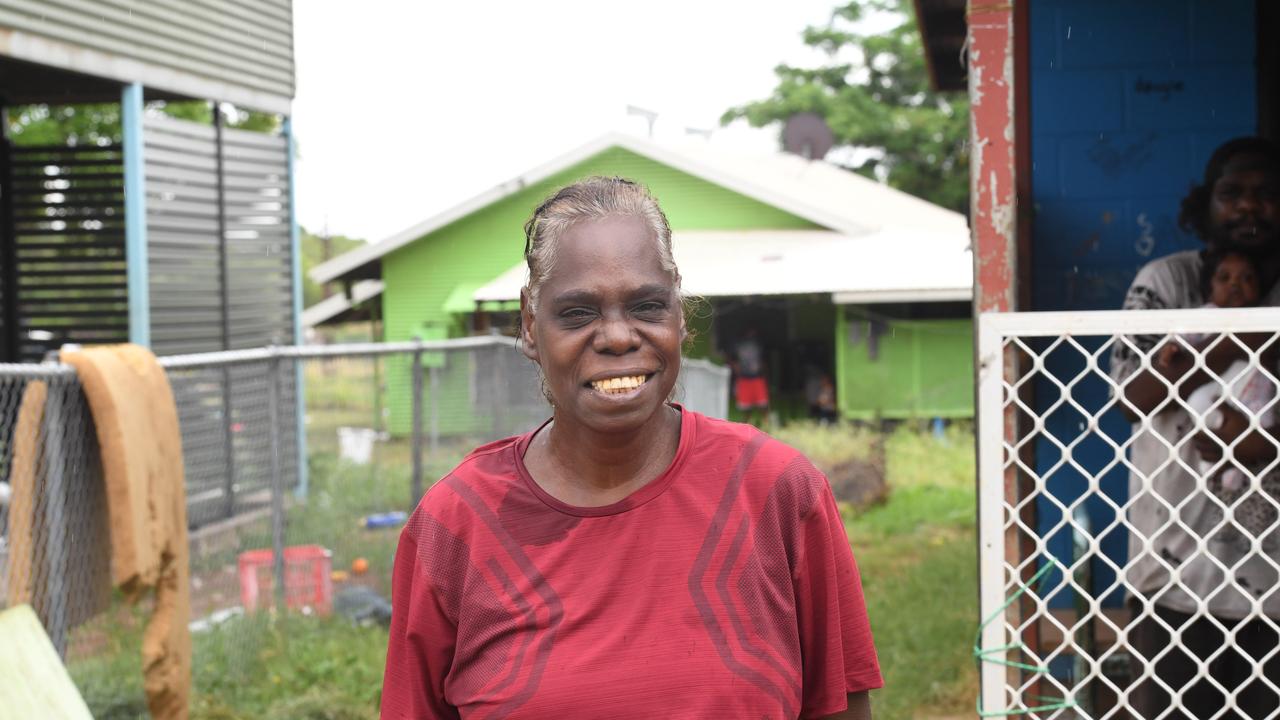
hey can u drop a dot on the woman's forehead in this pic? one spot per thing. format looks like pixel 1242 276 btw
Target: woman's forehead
pixel 612 251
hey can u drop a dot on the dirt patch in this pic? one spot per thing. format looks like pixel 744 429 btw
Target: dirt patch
pixel 860 482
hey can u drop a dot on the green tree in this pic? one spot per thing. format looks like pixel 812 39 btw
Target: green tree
pixel 99 123
pixel 315 250
pixel 873 90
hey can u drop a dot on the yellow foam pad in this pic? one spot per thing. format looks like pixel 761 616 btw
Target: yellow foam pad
pixel 33 681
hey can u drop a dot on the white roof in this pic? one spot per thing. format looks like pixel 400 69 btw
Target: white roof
pixel 334 305
pixel 884 266
pixel 817 191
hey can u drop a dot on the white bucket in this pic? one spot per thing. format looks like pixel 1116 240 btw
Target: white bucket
pixel 356 444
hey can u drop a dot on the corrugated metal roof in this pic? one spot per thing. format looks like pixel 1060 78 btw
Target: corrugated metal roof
pixel 814 190
pixel 883 266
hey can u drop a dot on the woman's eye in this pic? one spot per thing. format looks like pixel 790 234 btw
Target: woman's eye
pixel 650 307
pixel 576 315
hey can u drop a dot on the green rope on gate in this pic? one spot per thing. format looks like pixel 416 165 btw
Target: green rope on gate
pixel 986 655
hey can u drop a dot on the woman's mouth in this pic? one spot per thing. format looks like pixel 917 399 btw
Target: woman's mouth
pixel 619 385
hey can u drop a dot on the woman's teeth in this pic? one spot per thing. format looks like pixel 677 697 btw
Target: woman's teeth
pixel 619 385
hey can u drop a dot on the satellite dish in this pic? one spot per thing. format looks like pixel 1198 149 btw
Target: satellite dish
pixel 806 134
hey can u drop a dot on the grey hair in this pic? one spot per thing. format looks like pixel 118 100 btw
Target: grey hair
pixel 593 198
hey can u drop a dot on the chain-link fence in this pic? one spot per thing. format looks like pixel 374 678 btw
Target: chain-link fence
pixel 291 506
pixel 1128 504
pixel 53 515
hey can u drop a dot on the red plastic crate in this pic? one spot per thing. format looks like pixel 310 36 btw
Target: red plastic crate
pixel 307 579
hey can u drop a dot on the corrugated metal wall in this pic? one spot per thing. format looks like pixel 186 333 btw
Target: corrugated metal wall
pixel 193 273
pixel 248 43
pixel 185 253
pixel 63 275
pixel 259 270
pixel 220 278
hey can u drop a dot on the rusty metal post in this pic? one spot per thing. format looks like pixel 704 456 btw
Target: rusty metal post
pixel 993 193
pixel 991 154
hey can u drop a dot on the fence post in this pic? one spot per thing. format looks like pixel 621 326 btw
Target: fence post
pixel 499 389
pixel 434 378
pixel 53 494
pixel 228 444
pixel 415 483
pixel 277 479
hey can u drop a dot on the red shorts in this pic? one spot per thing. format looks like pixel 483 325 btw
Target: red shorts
pixel 751 392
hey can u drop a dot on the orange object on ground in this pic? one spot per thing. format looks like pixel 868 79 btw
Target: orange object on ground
pixel 141 448
pixel 359 566
pixel 308 578
pixel 22 481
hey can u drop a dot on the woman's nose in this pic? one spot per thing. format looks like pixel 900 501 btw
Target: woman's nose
pixel 616 335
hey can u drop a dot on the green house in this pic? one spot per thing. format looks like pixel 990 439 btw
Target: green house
pixel 840 275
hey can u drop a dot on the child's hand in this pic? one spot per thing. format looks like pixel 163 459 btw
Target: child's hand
pixel 1171 356
pixel 1232 425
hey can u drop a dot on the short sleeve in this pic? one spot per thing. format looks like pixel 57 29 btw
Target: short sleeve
pixel 1150 290
pixel 423 628
pixel 838 654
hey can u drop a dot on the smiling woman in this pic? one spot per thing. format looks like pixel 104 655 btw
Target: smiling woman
pixel 628 558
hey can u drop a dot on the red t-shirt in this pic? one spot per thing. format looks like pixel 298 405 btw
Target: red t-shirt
pixel 725 588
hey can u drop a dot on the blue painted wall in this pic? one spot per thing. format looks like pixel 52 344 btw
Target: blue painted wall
pixel 1128 100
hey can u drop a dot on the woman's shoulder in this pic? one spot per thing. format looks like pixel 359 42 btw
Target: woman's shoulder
pixel 485 473
pixel 764 459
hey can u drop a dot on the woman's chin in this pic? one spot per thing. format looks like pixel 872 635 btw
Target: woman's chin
pixel 616 412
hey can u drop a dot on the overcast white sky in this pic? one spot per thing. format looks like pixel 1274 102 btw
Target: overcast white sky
pixel 404 109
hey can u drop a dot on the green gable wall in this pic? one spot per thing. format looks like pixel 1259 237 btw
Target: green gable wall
pixel 921 369
pixel 480 246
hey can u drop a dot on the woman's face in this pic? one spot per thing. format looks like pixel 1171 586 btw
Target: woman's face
pixel 607 326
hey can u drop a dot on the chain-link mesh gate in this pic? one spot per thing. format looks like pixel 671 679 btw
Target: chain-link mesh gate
pixel 1128 499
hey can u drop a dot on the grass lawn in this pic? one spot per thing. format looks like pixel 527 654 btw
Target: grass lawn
pixel 916 552
pixel 918 557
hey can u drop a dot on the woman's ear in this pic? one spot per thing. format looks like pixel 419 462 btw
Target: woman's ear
pixel 528 345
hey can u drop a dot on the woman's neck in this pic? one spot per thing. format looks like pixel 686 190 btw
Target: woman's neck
pixel 579 466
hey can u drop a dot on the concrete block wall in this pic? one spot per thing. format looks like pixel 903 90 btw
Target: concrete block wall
pixel 1128 99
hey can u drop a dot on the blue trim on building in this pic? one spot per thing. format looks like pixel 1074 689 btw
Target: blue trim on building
pixel 135 215
pixel 295 260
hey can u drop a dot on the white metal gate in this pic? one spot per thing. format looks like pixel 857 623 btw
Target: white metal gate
pixel 1088 523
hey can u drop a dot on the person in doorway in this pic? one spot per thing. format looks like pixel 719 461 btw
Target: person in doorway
pixel 750 389
pixel 629 558
pixel 1178 554
pixel 820 393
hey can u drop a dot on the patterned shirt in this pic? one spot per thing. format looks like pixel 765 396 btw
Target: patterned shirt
pixel 724 588
pixel 1178 492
